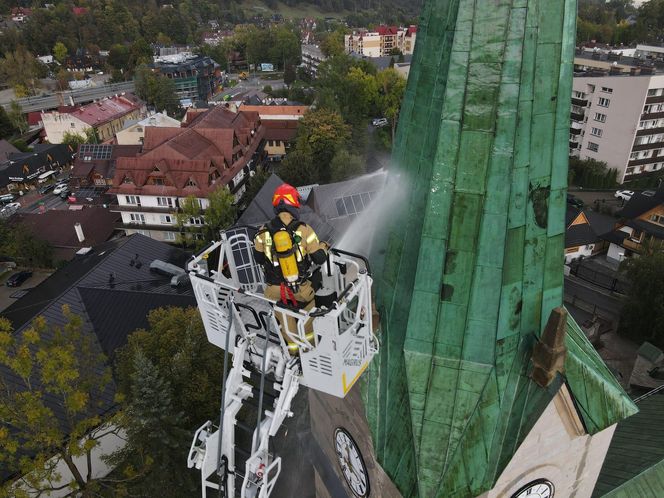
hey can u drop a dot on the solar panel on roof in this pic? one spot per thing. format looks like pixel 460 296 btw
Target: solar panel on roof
pixel 353 204
pixel 96 151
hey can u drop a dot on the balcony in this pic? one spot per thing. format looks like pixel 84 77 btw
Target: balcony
pixel 652 145
pixel 649 131
pixel 652 115
pixel 579 102
pixel 143 209
pixel 577 116
pixel 655 99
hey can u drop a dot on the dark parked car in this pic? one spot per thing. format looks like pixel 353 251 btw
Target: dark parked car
pixel 18 278
pixel 47 188
pixel 574 201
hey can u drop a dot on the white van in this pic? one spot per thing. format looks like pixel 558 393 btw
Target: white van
pixel 44 177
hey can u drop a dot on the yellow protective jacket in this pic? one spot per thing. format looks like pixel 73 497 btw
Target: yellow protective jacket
pixel 308 249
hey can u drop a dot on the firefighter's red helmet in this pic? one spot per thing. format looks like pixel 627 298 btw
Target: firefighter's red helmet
pixel 286 194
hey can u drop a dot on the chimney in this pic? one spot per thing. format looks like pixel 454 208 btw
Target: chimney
pixel 79 232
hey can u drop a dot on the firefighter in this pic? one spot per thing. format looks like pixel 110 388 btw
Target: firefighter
pixel 288 248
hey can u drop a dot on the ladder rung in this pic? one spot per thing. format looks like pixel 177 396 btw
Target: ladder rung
pixel 242 452
pixel 244 427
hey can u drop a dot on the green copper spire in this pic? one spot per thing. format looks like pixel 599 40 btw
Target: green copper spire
pixel 474 265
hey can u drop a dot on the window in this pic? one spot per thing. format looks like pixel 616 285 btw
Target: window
pixel 134 200
pixel 603 102
pixel 600 117
pixel 607 89
pixel 596 132
pixel 593 146
pixel 166 219
pixel 169 236
pixel 137 218
pixel 165 201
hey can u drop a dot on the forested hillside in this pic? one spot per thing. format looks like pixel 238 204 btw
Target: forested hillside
pixel 104 23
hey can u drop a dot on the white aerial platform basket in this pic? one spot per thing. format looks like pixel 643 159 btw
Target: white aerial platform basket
pixel 331 346
pixel 342 344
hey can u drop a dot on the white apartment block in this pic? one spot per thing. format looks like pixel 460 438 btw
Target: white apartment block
pixel 382 41
pixel 619 120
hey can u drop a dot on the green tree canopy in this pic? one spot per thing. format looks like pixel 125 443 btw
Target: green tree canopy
pixel 642 317
pixel 157 90
pixel 53 368
pixel 60 52
pixel 21 70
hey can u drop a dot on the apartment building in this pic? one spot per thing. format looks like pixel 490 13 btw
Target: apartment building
pixel 381 42
pixel 106 117
pixel 619 119
pixel 219 148
pixel 312 56
pixel 196 77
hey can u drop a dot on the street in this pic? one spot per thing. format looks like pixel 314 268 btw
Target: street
pixel 254 82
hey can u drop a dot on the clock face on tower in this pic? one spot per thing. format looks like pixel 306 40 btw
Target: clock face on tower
pixel 540 488
pixel 351 463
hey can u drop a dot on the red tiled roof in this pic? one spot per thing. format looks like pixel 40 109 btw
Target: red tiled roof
pixel 195 152
pixel 387 30
pixel 284 130
pixel 281 110
pixel 105 110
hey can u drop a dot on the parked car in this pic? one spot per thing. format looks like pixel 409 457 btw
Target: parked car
pixel 379 122
pixel 18 278
pixel 46 188
pixel 574 201
pixel 625 195
pixel 61 187
pixel 7 198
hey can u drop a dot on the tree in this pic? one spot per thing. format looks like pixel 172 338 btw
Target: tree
pixel 254 185
pixel 299 168
pixel 333 42
pixel 642 316
pixel 60 52
pixel 157 90
pixel 289 75
pixel 176 344
pixel 23 247
pixel 7 128
pixel 17 117
pixel 156 437
pixel 52 370
pixel 391 87
pixel 75 139
pixel 345 165
pixel 219 214
pixel 320 134
pixel 20 69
